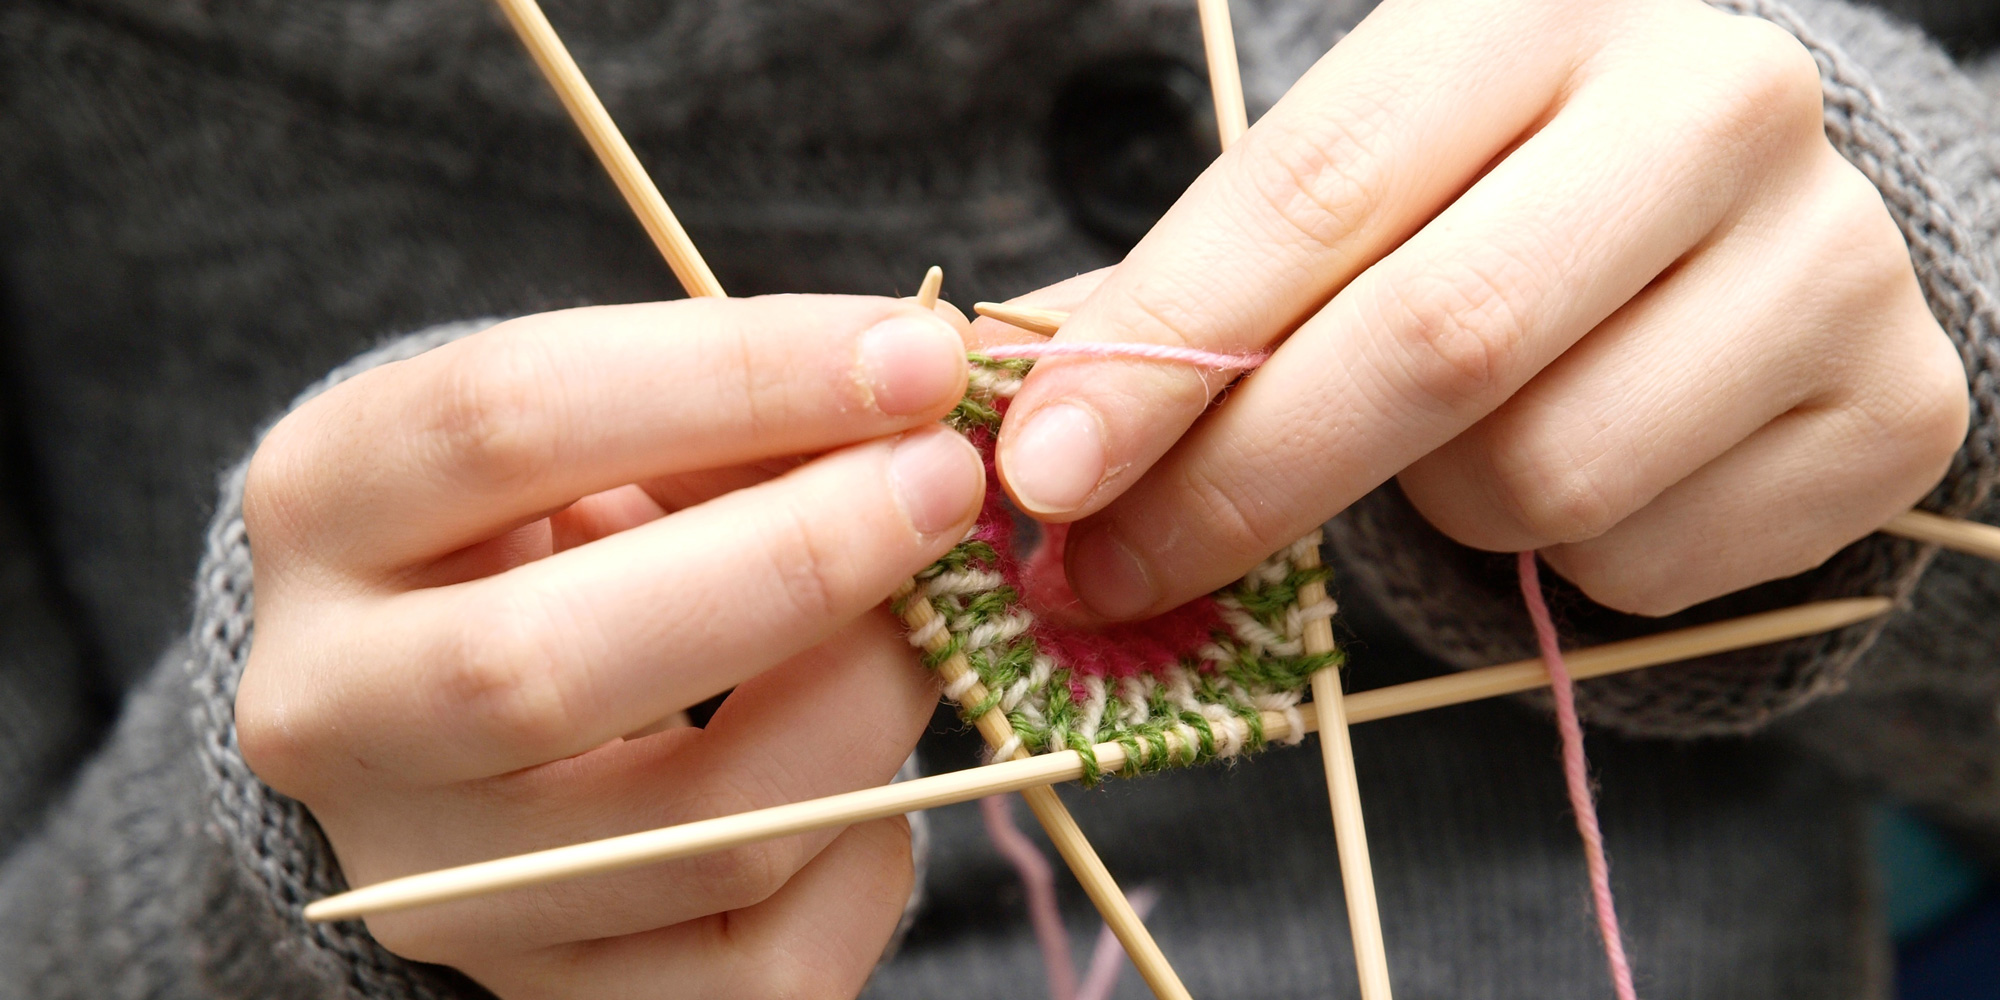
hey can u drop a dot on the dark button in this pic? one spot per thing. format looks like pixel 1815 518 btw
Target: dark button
pixel 1128 136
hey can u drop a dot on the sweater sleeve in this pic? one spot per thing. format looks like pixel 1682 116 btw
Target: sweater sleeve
pixel 168 869
pixel 1922 130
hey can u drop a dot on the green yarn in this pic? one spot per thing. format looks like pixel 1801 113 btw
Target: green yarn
pixel 1254 662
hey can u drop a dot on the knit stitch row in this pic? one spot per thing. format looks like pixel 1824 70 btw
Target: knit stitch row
pixel 1186 706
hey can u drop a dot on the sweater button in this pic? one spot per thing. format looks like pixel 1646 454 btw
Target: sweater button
pixel 1127 136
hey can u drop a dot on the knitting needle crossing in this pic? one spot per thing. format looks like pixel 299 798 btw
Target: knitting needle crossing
pixel 724 832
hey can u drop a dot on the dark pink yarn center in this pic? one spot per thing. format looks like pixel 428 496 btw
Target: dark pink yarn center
pixel 1111 651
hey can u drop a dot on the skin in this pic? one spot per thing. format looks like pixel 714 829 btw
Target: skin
pixel 1584 275
pixel 485 575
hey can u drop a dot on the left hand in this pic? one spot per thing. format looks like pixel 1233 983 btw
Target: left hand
pixel 1586 274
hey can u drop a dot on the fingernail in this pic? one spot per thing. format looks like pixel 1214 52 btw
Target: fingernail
pixel 1056 460
pixel 1108 577
pixel 937 478
pixel 911 364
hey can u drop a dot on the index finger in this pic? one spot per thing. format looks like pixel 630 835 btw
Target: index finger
pixel 418 459
pixel 1375 140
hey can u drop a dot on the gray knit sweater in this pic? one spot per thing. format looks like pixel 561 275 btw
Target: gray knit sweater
pixel 208 205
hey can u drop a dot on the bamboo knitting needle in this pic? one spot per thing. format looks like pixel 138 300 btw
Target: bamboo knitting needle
pixel 961 684
pixel 547 49
pixel 1043 321
pixel 612 150
pixel 845 809
pixel 1969 537
pixel 927 293
pixel 1225 80
pixel 1343 787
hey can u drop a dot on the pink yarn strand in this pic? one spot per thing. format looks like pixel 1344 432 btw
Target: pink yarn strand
pixel 1109 959
pixel 1141 352
pixel 1039 882
pixel 1576 775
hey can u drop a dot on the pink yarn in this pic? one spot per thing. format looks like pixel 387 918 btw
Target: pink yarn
pixel 1122 650
pixel 1111 651
pixel 1576 775
pixel 1142 352
pixel 1038 879
pixel 1106 962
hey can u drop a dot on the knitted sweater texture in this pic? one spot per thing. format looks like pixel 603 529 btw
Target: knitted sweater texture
pixel 211 205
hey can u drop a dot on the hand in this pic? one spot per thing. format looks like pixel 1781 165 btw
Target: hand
pixel 1585 274
pixel 486 574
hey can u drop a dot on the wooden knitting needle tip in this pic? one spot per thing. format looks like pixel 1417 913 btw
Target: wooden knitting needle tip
pixel 610 146
pixel 724 832
pixel 1043 321
pixel 927 293
pixel 1969 537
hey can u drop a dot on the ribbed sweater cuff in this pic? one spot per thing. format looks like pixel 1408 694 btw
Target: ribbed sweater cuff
pixel 278 852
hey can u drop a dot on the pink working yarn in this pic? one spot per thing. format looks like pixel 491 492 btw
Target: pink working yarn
pixel 1039 885
pixel 1576 775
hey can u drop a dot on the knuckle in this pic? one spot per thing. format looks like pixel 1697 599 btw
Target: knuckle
pixel 828 965
pixel 1772 82
pixel 1174 318
pixel 491 416
pixel 894 869
pixel 505 667
pixel 1623 595
pixel 1240 521
pixel 1849 221
pixel 1611 577
pixel 744 876
pixel 1453 328
pixel 1313 174
pixel 1554 500
pixel 1939 409
pixel 761 388
pixel 415 937
pixel 273 497
pixel 813 581
pixel 275 743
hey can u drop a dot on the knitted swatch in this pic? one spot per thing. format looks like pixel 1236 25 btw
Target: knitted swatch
pixel 1202 673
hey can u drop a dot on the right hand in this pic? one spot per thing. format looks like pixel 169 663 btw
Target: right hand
pixel 486 574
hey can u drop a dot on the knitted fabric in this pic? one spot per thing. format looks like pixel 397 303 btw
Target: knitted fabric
pixel 1202 672
pixel 212 204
